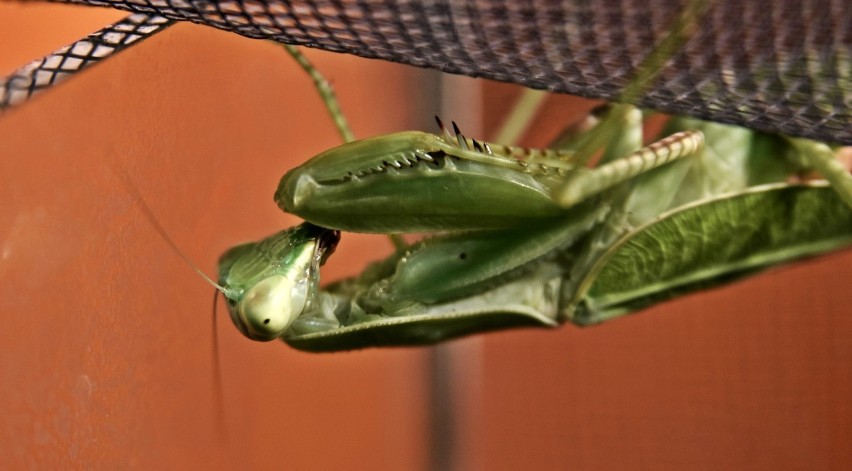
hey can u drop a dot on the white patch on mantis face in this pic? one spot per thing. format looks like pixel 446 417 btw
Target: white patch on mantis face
pixel 269 307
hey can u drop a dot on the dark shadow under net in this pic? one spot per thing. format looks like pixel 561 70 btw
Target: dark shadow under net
pixel 781 66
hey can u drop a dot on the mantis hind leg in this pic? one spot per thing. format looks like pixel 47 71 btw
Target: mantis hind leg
pixel 823 159
pixel 624 158
pixel 323 87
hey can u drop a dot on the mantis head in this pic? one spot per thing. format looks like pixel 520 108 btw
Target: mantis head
pixel 270 283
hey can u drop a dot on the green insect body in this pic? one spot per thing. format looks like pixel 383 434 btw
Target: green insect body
pixel 517 254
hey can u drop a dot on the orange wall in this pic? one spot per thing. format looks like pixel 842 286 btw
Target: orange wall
pixel 106 338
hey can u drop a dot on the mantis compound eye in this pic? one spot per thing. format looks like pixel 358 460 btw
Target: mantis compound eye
pixel 270 306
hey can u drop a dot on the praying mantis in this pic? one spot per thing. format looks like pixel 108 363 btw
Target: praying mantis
pixel 536 238
pixel 269 361
pixel 529 237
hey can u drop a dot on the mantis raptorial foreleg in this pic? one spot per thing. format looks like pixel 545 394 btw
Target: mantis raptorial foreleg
pixel 329 98
pixel 357 187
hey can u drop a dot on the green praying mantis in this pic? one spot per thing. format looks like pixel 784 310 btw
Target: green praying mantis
pixel 523 237
pixel 530 237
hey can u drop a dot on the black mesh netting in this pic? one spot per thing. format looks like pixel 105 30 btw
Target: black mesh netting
pixel 41 74
pixel 780 66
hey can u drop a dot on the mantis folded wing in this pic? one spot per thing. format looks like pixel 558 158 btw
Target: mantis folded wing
pixel 537 239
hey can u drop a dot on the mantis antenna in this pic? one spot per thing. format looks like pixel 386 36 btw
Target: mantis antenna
pixel 218 396
pixel 146 210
